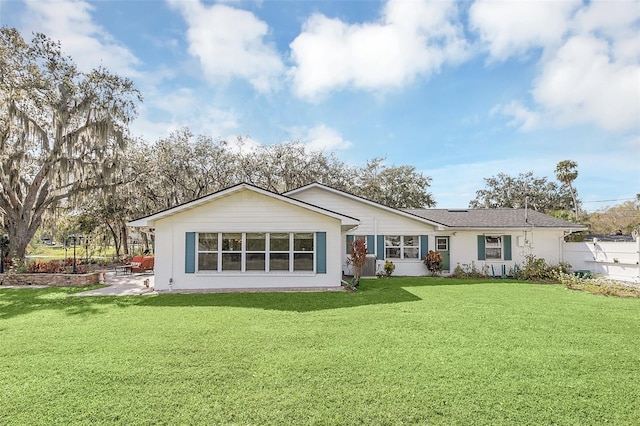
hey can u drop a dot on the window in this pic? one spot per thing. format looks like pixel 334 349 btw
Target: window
pixel 303 251
pixel 493 247
pixel 256 251
pixel 232 252
pixel 208 252
pixel 401 246
pixel 279 256
pixel 442 243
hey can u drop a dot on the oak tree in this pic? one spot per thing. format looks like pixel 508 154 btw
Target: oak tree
pixel 62 131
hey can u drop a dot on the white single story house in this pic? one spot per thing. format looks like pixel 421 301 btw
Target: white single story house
pixel 244 237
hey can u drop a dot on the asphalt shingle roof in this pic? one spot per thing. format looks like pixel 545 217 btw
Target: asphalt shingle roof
pixel 492 218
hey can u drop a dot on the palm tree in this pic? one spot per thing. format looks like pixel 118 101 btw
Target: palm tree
pixel 567 172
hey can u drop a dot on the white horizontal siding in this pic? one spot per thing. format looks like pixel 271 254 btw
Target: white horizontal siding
pixel 373 220
pixel 249 211
pixel 463 247
pixel 244 211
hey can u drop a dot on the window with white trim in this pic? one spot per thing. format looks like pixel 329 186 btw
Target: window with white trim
pixel 303 251
pixel 232 251
pixel 401 246
pixel 493 247
pixel 208 250
pixel 256 251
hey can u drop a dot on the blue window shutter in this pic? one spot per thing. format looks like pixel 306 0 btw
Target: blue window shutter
pixel 370 244
pixel 190 253
pixel 424 246
pixel 507 247
pixel 380 248
pixel 349 241
pixel 481 253
pixel 321 252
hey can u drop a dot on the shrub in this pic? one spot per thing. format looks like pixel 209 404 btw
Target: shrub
pixel 433 260
pixel 357 258
pixel 389 267
pixel 54 266
pixel 469 271
pixel 598 285
pixel 539 270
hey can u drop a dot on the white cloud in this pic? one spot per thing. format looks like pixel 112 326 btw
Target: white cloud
pixel 523 118
pixel 582 83
pixel 231 43
pixel 89 45
pixel 411 39
pixel 173 110
pixel 511 28
pixel 589 66
pixel 318 138
pixel 323 138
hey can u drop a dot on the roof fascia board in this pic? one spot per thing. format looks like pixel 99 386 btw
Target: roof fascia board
pixel 144 221
pixel 438 226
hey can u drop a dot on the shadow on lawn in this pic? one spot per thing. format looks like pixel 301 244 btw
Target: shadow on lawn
pixel 292 302
pixel 21 301
pixel 15 302
pixel 371 292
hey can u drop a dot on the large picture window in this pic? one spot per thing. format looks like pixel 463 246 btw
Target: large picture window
pixel 401 246
pixel 256 251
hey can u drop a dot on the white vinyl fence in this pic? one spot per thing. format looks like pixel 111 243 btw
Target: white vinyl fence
pixel 614 260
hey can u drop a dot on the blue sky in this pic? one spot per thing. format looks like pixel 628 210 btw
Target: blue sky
pixel 462 91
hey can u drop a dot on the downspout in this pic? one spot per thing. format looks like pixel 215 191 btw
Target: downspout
pixel 173 259
pixel 638 252
pixel 561 242
pixel 375 241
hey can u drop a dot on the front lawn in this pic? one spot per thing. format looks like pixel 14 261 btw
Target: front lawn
pixel 399 351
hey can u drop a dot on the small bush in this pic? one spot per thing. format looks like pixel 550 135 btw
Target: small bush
pixel 539 270
pixel 388 268
pixel 469 271
pixel 433 261
pixel 598 285
pixel 357 258
pixel 55 266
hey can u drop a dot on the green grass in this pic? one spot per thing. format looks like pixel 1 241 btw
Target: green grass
pixel 58 252
pixel 399 351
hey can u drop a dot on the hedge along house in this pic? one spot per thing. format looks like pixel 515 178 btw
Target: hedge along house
pixel 244 237
pixel 490 240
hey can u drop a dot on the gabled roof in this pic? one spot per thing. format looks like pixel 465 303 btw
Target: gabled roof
pixel 405 213
pixel 148 221
pixel 494 218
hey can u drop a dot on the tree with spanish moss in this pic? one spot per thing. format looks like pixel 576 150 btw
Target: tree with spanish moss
pixel 62 131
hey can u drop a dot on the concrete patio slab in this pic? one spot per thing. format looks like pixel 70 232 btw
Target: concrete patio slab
pixel 122 285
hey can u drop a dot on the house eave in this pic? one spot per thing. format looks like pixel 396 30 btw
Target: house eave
pixel 437 226
pixel 149 221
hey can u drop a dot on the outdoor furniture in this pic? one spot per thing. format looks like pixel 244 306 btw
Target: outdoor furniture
pixel 141 264
pixel 123 269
